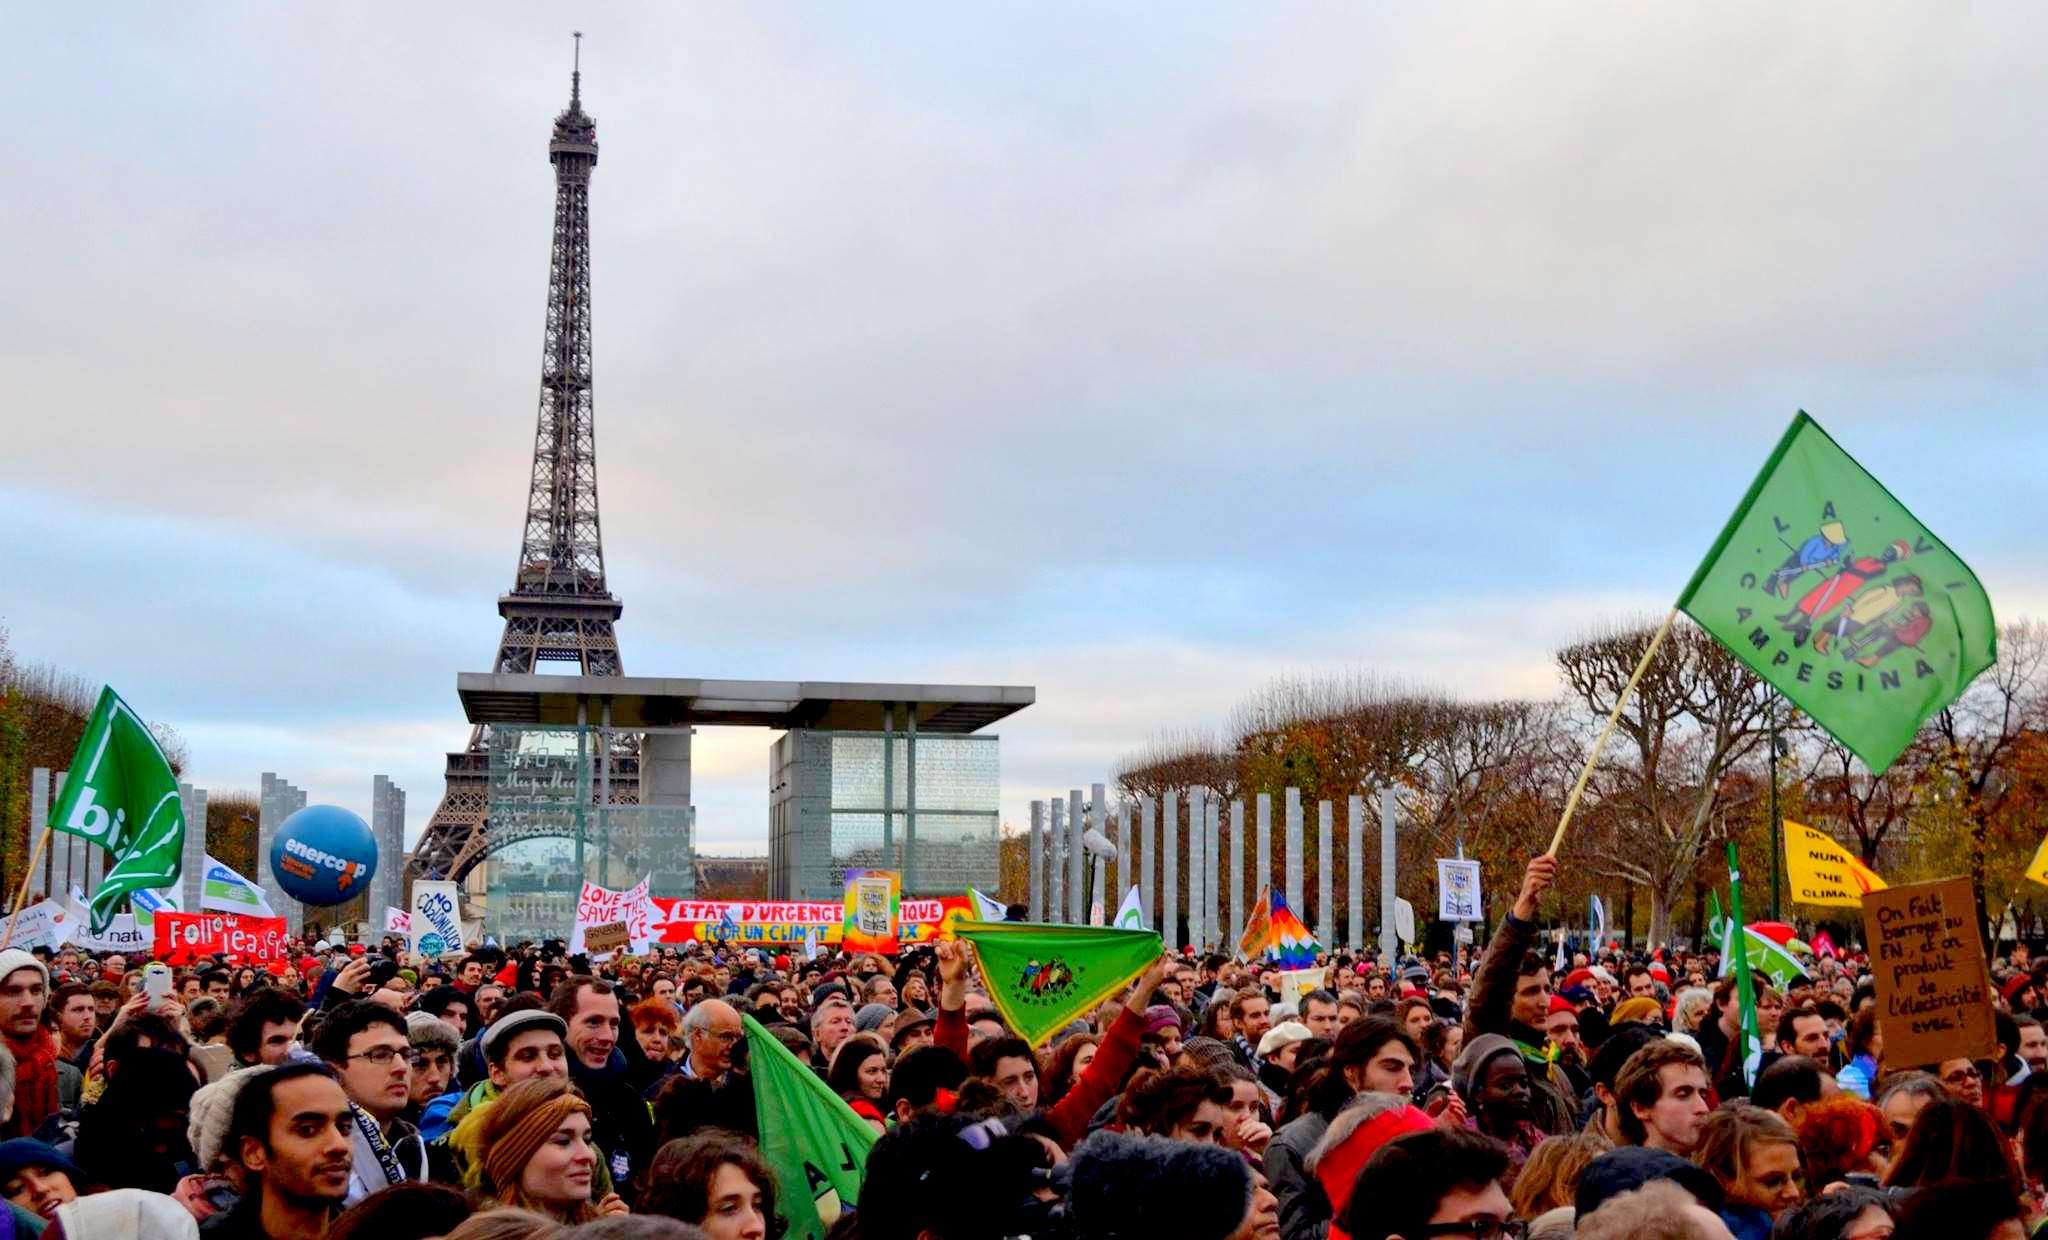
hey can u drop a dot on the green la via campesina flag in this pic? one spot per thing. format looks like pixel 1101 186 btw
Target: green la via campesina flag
pixel 120 794
pixel 817 1147
pixel 1831 591
pixel 1043 977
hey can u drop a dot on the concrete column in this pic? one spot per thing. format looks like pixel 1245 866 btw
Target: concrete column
pixel 1354 879
pixel 1077 861
pixel 1294 857
pixel 75 848
pixel 1213 874
pixel 192 858
pixel 38 818
pixel 1037 861
pixel 1126 871
pixel 1098 820
pixel 1326 913
pixel 1056 862
pixel 1264 835
pixel 1169 872
pixel 1236 874
pixel 1148 864
pixel 1388 945
pixel 604 797
pixel 1196 879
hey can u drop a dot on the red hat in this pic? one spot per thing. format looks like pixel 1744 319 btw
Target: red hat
pixel 2011 990
pixel 1348 1152
pixel 1658 971
pixel 1558 1003
pixel 356 949
pixel 310 967
pixel 1577 977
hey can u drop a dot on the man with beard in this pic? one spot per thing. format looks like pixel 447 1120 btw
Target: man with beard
pixel 290 1132
pixel 24 988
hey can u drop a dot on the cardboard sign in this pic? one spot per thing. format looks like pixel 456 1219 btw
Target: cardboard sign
pixel 434 921
pixel 182 938
pixel 1933 991
pixel 612 936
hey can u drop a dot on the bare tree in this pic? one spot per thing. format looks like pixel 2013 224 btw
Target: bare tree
pixel 1697 713
pixel 1979 734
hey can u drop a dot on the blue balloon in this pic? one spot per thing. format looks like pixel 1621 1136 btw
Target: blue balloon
pixel 323 855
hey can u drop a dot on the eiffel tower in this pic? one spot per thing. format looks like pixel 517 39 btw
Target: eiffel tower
pixel 559 610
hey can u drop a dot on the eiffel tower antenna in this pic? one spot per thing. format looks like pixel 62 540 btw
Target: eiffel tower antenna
pixel 559 610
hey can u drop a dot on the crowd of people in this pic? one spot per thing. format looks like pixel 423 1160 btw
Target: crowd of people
pixel 520 1093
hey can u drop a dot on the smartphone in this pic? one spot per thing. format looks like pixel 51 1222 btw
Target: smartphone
pixel 382 970
pixel 156 980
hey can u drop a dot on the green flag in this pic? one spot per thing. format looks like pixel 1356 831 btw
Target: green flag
pixel 1042 977
pixel 1830 590
pixel 121 795
pixel 816 1145
pixel 1750 1053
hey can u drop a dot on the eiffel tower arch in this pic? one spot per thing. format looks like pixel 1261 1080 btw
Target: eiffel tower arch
pixel 559 615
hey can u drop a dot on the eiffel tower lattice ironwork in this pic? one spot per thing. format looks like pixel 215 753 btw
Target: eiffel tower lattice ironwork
pixel 559 609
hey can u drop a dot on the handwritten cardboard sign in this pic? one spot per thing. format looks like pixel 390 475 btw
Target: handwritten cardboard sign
pixel 611 936
pixel 1933 991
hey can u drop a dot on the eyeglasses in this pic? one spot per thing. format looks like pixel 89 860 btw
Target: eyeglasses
pixel 380 1056
pixel 1485 1227
pixel 1966 1073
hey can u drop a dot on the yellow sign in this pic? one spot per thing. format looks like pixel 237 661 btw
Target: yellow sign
pixel 1823 872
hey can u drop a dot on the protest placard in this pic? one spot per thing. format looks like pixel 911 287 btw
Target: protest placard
pixel 1457 890
pixel 609 937
pixel 1933 991
pixel 436 920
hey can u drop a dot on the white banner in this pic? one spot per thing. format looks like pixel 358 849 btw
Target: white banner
pixel 145 903
pixel 122 935
pixel 599 906
pixel 1457 890
pixel 436 922
pixel 1296 983
pixel 46 923
pixel 397 921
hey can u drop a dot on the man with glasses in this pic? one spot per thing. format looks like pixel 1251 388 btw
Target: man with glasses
pixel 710 1031
pixel 1444 1182
pixel 370 1051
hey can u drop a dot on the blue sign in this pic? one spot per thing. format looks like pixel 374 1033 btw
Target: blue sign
pixel 323 855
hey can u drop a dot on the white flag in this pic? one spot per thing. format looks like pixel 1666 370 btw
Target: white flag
pixel 397 921
pixel 226 891
pixel 986 909
pixel 1130 915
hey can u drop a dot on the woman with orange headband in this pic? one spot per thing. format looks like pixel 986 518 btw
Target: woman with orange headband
pixel 535 1153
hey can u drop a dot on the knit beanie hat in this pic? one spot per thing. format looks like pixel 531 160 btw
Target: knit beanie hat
pixel 212 1107
pixel 1638 1009
pixel 14 958
pixel 871 1016
pixel 1127 1185
pixel 1207 1053
pixel 1470 1065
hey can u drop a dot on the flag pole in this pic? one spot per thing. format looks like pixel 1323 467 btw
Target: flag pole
pixel 1627 691
pixel 21 896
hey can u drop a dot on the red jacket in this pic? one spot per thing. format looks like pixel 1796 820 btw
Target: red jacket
pixel 1070 1115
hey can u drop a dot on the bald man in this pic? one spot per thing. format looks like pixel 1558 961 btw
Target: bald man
pixel 711 1029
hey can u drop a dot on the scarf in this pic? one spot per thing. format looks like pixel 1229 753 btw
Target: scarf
pixel 35 1082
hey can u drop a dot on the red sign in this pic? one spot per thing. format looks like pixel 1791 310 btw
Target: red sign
pixel 181 938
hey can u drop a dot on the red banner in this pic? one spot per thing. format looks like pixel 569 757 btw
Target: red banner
pixel 182 938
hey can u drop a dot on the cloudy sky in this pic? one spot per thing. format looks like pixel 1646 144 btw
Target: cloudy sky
pixel 1140 353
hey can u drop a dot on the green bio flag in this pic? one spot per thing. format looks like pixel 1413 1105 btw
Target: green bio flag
pixel 121 795
pixel 816 1145
pixel 1830 590
pixel 1751 1051
pixel 1042 977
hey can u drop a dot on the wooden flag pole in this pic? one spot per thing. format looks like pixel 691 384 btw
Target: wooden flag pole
pixel 21 896
pixel 1627 691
